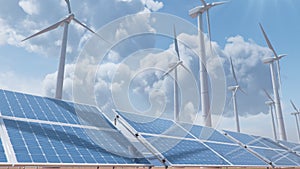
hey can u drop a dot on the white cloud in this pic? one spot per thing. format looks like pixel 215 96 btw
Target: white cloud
pixel 152 4
pixel 29 6
pixel 12 81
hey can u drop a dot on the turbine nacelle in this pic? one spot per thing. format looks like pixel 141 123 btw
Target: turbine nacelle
pixel 270 102
pixel 272 59
pixel 69 18
pixel 205 7
pixel 233 88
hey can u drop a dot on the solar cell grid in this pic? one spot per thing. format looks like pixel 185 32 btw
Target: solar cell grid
pixel 236 154
pixel 186 152
pixel 154 125
pixel 44 143
pixel 206 133
pixel 276 157
pixel 268 149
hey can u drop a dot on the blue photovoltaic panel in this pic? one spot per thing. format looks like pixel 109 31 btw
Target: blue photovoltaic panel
pixel 243 138
pixel 292 146
pixel 266 142
pixel 230 150
pixel 236 154
pixel 182 150
pixel 44 130
pixel 206 133
pixel 147 124
pixel 268 149
pixel 2 153
pixel 278 158
pixel 44 143
pixel 34 107
pixel 154 125
pixel 186 152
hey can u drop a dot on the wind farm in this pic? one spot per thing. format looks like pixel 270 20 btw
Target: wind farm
pixel 128 114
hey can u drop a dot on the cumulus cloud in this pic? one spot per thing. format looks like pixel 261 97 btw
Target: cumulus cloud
pixel 152 5
pixel 29 6
pixel 252 74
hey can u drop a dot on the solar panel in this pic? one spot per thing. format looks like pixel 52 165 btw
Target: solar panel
pixel 154 125
pixel 200 146
pixel 291 146
pixel 206 133
pixel 2 154
pixel 48 131
pixel 227 148
pixel 267 149
pixel 186 152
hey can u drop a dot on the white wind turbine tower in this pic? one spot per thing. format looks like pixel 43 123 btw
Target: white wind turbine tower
pixel 271 103
pixel 65 22
pixel 205 100
pixel 296 114
pixel 234 90
pixel 278 110
pixel 174 66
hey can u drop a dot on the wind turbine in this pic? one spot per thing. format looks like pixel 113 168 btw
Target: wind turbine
pixel 278 109
pixel 64 22
pixel 271 103
pixel 205 101
pixel 234 90
pixel 296 114
pixel 172 67
pixel 276 57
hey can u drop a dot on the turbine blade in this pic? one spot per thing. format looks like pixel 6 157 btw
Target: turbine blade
pixel 176 44
pixel 268 41
pixel 204 3
pixel 218 3
pixel 208 28
pixel 242 90
pixel 184 67
pixel 169 71
pixel 54 26
pixel 89 29
pixel 295 108
pixel 83 25
pixel 69 6
pixel 267 94
pixel 281 56
pixel 233 72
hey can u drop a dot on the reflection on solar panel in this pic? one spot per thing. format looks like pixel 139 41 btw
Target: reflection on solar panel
pixel 291 146
pixel 268 149
pixel 39 130
pixel 196 145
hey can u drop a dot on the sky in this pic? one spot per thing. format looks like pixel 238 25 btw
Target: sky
pixel 128 75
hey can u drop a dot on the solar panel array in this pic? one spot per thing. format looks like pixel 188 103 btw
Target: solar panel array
pixel 206 146
pixel 39 131
pixel 48 131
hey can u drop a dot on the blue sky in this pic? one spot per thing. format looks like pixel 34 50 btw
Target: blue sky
pixel 30 67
